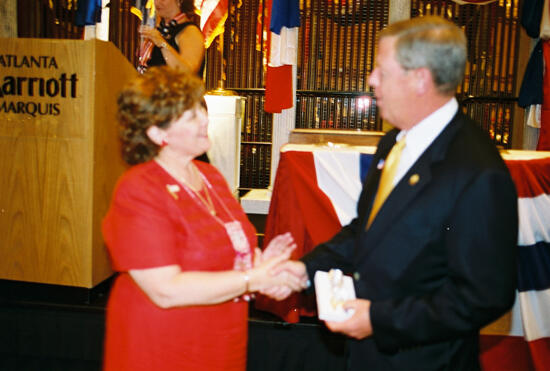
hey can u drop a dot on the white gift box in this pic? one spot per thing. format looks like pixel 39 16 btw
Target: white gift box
pixel 332 289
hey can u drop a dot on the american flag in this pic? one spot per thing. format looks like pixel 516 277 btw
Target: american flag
pixel 213 15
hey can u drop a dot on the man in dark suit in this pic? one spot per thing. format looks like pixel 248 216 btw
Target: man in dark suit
pixel 437 260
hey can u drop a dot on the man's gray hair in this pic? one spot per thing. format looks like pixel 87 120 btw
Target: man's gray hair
pixel 434 43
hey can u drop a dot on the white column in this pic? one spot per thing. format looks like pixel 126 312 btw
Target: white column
pixel 399 10
pixel 283 124
pixel 225 117
pixel 257 200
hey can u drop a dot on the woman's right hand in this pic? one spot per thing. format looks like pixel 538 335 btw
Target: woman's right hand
pixel 152 34
pixel 278 245
pixel 278 285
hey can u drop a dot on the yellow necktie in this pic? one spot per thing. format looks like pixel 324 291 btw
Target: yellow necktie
pixel 386 179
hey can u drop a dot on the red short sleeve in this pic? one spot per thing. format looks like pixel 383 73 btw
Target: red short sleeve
pixel 136 229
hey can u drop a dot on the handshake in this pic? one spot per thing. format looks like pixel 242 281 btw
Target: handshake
pixel 274 274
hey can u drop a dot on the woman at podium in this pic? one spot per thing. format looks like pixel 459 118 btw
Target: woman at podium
pixel 177 41
pixel 182 245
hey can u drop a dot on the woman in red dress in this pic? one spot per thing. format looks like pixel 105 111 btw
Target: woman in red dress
pixel 180 241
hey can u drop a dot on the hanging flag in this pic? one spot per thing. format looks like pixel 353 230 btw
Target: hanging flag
pixel 544 133
pixel 88 13
pixel 284 20
pixel 213 14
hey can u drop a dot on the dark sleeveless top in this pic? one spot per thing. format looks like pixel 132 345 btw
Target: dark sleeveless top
pixel 169 33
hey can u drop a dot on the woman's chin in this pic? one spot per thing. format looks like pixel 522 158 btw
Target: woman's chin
pixel 207 145
pixel 204 152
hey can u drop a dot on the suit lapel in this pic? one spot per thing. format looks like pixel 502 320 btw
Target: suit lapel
pixel 370 185
pixel 409 187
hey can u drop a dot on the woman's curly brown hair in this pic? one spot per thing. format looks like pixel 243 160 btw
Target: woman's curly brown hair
pixel 156 98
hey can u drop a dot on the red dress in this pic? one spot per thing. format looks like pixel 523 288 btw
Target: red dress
pixel 154 222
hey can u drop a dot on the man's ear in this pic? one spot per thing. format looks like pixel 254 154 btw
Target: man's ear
pixel 423 80
pixel 156 134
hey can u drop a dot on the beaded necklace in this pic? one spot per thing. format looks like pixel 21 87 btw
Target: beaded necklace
pixel 146 47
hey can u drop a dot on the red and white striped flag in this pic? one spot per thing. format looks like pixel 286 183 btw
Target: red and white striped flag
pixel 213 15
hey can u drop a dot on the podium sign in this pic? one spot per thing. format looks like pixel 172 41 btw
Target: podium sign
pixel 59 157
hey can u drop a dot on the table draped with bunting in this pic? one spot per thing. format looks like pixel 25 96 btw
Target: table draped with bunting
pixel 315 193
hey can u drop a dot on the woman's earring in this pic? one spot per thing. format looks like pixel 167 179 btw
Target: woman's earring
pixel 163 143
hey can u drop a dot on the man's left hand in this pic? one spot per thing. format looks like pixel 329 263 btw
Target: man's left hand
pixel 359 325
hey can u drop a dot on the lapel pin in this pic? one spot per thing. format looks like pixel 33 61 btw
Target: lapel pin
pixel 415 178
pixel 380 164
pixel 173 189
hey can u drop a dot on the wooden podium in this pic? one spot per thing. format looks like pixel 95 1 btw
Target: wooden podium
pixel 59 157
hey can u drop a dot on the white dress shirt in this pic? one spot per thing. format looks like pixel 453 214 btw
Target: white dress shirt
pixel 420 136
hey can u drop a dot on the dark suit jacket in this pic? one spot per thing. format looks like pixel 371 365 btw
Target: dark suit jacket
pixel 439 260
